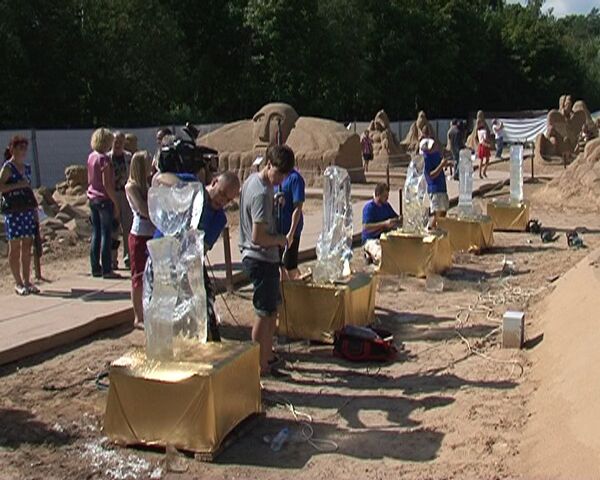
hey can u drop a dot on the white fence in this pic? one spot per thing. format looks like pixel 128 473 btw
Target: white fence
pixel 51 151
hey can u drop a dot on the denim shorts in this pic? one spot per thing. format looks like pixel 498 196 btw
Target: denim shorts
pixel 265 279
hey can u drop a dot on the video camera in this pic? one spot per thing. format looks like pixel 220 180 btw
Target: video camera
pixel 184 156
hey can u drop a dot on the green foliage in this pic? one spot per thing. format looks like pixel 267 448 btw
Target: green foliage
pixel 74 63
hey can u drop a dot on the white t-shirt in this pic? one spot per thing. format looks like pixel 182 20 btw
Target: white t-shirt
pixel 482 135
pixel 498 130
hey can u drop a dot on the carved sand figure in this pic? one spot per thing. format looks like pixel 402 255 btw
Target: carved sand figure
pixel 579 183
pixel 316 142
pixel 387 150
pixel 419 130
pixel 563 127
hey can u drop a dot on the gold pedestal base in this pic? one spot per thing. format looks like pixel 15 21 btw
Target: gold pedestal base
pixel 314 312
pixel 468 234
pixel 190 405
pixel 509 216
pixel 415 254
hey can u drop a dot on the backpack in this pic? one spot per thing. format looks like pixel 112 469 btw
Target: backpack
pixel 364 344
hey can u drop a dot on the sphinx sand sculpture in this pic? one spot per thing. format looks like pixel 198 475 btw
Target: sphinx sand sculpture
pixel 316 142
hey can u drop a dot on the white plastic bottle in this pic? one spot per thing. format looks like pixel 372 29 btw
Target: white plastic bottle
pixel 280 439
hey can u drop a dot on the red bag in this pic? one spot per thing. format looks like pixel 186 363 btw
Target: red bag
pixel 364 344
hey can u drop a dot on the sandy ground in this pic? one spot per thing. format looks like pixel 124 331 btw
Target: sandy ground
pixel 453 404
pixel 566 387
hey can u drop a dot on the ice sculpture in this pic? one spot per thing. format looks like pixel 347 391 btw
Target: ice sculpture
pixel 334 245
pixel 465 174
pixel 175 312
pixel 415 214
pixel 516 173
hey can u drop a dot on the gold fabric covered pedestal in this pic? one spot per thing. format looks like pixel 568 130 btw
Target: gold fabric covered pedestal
pixel 190 405
pixel 414 253
pixel 468 234
pixel 508 216
pixel 314 312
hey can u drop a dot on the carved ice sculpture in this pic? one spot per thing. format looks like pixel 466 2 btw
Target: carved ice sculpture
pixel 174 297
pixel 414 218
pixel 465 188
pixel 334 245
pixel 516 173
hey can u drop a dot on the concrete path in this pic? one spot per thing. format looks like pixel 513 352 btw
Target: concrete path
pixel 65 311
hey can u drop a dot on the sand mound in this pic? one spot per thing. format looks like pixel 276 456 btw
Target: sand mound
pixel 561 439
pixel 317 143
pixel 578 186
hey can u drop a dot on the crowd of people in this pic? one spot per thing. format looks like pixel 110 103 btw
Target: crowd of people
pixel 271 213
pixel 455 141
pixel 119 179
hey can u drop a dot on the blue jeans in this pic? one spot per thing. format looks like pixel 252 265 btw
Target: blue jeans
pixel 102 219
pixel 499 146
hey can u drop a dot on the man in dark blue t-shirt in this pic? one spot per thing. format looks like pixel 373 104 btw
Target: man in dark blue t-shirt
pixel 436 183
pixel 291 222
pixel 378 217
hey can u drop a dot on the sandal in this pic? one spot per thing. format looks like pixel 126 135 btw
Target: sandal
pixel 21 290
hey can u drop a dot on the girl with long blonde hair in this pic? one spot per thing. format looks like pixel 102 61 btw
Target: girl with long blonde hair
pixel 142 229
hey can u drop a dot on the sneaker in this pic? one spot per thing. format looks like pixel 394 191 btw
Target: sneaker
pixel 21 290
pixel 31 288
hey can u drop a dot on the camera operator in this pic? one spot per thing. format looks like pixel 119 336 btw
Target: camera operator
pixel 183 161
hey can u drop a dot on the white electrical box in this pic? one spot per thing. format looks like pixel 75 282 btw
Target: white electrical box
pixel 513 329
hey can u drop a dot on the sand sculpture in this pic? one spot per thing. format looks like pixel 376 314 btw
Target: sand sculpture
pixel 387 150
pixel 563 127
pixel 579 183
pixel 472 140
pixel 417 131
pixel 317 143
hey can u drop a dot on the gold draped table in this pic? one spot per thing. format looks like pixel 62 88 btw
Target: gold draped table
pixel 414 253
pixel 191 405
pixel 468 234
pixel 508 215
pixel 314 311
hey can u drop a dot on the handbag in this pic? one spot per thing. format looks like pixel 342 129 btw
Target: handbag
pixel 18 200
pixel 364 344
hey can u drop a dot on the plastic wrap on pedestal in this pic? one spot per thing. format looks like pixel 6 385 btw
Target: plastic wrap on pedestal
pixel 414 212
pixel 465 174
pixel 516 173
pixel 190 316
pixel 334 245
pixel 162 299
pixel 173 210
